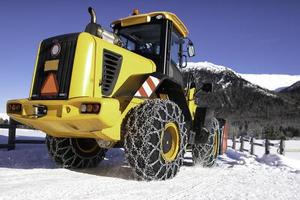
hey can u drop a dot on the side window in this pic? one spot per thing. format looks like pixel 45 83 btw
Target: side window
pixel 175 42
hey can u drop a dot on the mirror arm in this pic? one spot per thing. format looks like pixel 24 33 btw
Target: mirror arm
pixel 185 61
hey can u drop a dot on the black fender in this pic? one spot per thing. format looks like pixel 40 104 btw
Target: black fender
pixel 176 94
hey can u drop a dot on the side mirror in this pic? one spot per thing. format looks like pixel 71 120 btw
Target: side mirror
pixel 191 49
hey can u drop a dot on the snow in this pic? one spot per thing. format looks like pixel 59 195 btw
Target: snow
pixel 3 116
pixel 207 66
pixel 220 69
pixel 28 173
pixel 261 90
pixel 271 81
pixel 267 81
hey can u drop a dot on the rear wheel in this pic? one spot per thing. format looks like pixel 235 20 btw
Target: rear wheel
pixel 155 139
pixel 75 152
pixel 205 154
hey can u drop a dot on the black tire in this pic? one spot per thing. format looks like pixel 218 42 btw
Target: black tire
pixel 74 153
pixel 154 151
pixel 206 154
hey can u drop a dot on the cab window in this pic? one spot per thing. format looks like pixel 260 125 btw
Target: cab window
pixel 175 48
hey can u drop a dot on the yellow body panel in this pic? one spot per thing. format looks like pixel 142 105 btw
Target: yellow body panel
pixel 144 18
pixel 191 102
pixel 133 67
pixel 34 70
pixel 63 118
pixel 82 81
pixel 137 20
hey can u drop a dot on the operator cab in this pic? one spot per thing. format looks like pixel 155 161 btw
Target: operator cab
pixel 159 36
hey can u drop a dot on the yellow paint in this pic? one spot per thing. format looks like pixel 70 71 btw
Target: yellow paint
pixel 35 66
pixel 82 81
pixel 172 128
pixel 191 102
pixel 216 144
pixel 163 96
pixel 131 74
pixel 136 20
pixel 64 119
pixel 141 18
pixel 51 65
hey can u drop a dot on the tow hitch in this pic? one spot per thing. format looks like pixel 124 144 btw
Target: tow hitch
pixel 39 111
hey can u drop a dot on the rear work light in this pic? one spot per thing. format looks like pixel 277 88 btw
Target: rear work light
pixel 14 108
pixel 90 108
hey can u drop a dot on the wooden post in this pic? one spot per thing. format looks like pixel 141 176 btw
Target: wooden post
pixel 242 144
pixel 11 135
pixel 281 146
pixel 267 147
pixel 233 143
pixel 252 146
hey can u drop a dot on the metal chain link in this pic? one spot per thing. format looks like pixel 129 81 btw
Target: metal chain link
pixel 63 153
pixel 203 154
pixel 143 138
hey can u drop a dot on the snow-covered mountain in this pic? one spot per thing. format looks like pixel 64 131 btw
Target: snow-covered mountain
pixel 272 81
pixel 293 91
pixel 293 88
pixel 268 81
pixel 250 108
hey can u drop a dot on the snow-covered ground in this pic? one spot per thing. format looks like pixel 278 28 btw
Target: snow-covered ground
pixel 4 116
pixel 28 173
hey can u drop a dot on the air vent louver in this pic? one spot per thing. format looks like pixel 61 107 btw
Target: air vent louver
pixel 111 68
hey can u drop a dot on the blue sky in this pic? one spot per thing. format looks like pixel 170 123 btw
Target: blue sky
pixel 250 36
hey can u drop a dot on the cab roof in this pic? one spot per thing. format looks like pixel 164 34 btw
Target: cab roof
pixel 146 18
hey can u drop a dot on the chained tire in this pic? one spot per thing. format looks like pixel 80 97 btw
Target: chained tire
pixel 74 153
pixel 155 138
pixel 205 154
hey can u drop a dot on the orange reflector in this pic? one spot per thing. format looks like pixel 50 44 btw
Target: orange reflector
pixel 50 86
pixel 135 12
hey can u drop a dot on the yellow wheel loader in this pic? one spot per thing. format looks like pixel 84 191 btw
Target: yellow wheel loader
pixel 97 89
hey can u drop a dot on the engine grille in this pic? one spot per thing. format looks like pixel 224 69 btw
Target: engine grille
pixel 112 63
pixel 66 57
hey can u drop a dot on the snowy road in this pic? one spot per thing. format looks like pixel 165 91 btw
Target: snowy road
pixel 28 173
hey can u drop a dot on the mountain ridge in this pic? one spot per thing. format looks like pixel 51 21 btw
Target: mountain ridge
pixel 250 109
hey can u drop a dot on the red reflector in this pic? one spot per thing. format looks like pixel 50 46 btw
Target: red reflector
pixel 90 108
pixel 50 86
pixel 14 108
pixel 96 108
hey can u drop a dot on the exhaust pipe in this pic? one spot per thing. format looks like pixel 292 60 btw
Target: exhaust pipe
pixel 92 27
pixel 93 15
pixel 95 29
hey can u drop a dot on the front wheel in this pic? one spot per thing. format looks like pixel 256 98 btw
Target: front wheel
pixel 75 152
pixel 205 154
pixel 155 139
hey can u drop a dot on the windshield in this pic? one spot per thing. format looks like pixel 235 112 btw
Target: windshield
pixel 142 39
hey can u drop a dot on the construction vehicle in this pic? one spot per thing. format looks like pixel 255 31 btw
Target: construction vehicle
pixel 96 90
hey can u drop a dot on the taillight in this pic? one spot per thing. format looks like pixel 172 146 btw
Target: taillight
pixel 14 108
pixel 90 108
